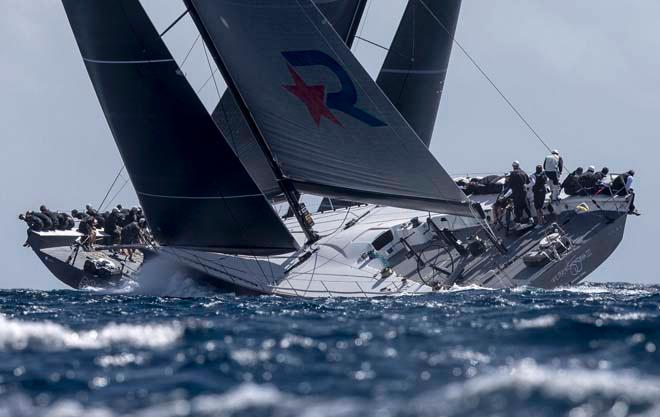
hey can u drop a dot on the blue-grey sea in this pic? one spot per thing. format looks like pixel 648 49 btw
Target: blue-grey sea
pixel 590 350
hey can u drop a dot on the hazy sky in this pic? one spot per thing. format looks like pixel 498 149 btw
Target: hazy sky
pixel 586 74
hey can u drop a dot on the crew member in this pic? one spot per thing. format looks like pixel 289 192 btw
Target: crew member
pixel 51 215
pixel 588 181
pixel 46 220
pixel 503 201
pixel 518 180
pixel 87 227
pixel 538 181
pixel 112 226
pixel 602 184
pixel 602 174
pixel 64 221
pixel 34 223
pixel 554 166
pixel 132 235
pixel 571 184
pixel 622 186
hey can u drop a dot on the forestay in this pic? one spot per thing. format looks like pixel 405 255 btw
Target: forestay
pixel 330 128
pixel 193 188
pixel 414 71
pixel 344 16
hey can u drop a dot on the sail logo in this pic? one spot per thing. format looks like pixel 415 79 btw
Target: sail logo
pixel 314 96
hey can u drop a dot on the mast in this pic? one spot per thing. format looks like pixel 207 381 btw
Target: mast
pixel 292 195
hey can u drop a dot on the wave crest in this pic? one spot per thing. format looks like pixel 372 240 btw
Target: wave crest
pixel 18 335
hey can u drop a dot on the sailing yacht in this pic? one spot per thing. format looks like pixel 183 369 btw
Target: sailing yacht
pixel 301 116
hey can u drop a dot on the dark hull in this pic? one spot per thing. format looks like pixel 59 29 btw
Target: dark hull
pixel 58 254
pixel 594 238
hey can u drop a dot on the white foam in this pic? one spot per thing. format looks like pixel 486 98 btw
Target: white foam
pixel 470 356
pixel 623 316
pixel 540 322
pixel 597 289
pixel 248 357
pixel 17 334
pixel 572 384
pixel 583 290
pixel 122 359
pixel 471 287
pixel 165 278
pixel 246 395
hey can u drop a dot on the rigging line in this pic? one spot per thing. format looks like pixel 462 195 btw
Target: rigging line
pixel 189 51
pixel 342 222
pixel 177 20
pixel 364 21
pixel 100 206
pixel 483 73
pixel 206 82
pixel 372 43
pixel 208 61
pixel 118 192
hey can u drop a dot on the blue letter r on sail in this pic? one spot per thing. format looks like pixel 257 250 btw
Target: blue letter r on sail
pixel 343 100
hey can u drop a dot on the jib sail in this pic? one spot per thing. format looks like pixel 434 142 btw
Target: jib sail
pixel 193 188
pixel 344 16
pixel 414 71
pixel 332 131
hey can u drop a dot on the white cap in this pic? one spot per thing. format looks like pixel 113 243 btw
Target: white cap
pixel 515 164
pixel 591 168
pixel 555 152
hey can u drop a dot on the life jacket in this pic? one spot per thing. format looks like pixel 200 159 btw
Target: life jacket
pixel 540 180
pixel 551 163
pixel 517 181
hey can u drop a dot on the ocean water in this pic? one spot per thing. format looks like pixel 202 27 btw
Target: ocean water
pixel 591 350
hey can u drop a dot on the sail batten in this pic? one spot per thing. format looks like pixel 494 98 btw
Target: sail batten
pixel 194 190
pixel 326 122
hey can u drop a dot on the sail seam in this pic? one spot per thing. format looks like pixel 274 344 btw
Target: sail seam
pixel 201 198
pixel 405 71
pixel 144 61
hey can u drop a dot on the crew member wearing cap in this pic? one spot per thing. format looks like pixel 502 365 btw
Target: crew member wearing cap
pixel 553 165
pixel 588 181
pixel 518 180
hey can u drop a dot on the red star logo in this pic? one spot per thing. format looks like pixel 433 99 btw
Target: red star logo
pixel 313 96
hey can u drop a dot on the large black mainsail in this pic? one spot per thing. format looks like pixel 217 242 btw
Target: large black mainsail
pixel 193 188
pixel 331 130
pixel 344 16
pixel 414 71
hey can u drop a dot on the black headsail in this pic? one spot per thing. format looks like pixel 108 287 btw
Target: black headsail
pixel 344 16
pixel 331 130
pixel 193 188
pixel 414 71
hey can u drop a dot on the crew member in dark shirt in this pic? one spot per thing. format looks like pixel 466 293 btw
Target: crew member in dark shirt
pixel 518 180
pixel 539 181
pixel 571 184
pixel 588 181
